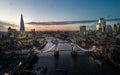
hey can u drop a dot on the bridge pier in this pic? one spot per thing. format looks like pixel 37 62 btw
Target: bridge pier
pixel 56 54
pixel 74 51
pixel 56 51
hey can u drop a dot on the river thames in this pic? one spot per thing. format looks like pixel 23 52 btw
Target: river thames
pixel 65 64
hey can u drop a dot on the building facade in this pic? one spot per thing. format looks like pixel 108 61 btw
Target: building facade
pixel 101 25
pixel 83 30
pixel 109 29
pixel 12 32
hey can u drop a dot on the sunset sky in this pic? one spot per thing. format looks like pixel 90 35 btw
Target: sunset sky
pixel 56 11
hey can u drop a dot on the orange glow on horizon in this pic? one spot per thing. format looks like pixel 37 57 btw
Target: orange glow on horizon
pixel 70 27
pixel 51 27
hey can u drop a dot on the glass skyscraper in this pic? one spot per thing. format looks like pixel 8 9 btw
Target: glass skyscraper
pixel 22 28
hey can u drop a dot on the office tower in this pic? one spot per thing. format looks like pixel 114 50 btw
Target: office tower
pixel 22 28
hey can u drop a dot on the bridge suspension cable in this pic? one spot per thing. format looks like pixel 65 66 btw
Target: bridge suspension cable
pixel 86 50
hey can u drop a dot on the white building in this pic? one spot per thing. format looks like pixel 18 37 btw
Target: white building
pixel 101 25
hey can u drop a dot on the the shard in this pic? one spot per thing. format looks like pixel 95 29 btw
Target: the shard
pixel 22 28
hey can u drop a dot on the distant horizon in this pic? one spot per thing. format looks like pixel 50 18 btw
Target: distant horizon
pixel 55 26
pixel 57 11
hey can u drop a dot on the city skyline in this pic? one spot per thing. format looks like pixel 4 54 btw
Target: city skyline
pixel 56 11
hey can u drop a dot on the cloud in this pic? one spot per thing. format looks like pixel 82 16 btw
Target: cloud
pixel 5 24
pixel 69 22
pixel 1 26
pixel 62 22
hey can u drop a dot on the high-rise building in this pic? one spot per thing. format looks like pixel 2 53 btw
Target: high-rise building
pixel 98 27
pixel 33 32
pixel 22 28
pixel 109 29
pixel 101 25
pixel 83 30
pixel 102 21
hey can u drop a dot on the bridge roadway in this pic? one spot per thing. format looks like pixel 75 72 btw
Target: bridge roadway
pixel 83 64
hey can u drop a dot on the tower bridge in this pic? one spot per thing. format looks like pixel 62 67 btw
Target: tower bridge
pixel 66 63
pixel 61 45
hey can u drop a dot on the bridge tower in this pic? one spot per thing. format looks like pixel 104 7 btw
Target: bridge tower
pixel 56 51
pixel 74 51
